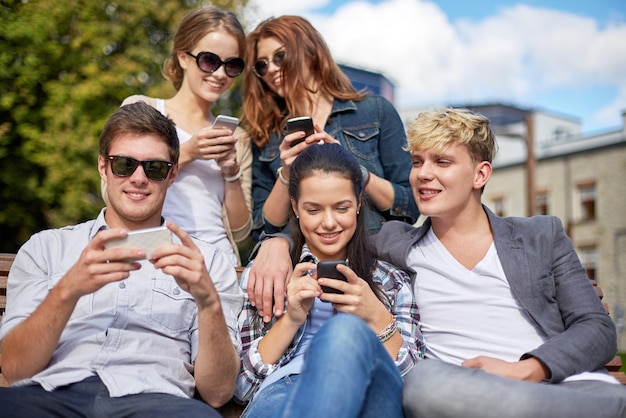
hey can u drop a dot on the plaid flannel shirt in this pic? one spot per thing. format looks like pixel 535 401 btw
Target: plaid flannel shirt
pixel 396 286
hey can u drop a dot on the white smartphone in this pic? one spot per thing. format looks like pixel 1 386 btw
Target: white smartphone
pixel 148 239
pixel 223 121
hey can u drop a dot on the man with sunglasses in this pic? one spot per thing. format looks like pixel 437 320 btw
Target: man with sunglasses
pixel 98 330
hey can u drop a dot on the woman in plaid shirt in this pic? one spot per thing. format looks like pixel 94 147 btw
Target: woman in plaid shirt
pixel 331 354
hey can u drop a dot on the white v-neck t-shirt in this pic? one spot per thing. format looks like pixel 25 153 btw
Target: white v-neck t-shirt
pixel 469 313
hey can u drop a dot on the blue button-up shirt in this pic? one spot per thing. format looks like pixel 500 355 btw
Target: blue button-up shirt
pixel 138 335
pixel 372 131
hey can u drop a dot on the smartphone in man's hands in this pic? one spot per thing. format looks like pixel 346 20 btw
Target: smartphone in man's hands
pixel 301 123
pixel 148 240
pixel 328 270
pixel 223 121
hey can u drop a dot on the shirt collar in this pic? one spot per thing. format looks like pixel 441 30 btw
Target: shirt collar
pixel 307 255
pixel 340 106
pixel 98 225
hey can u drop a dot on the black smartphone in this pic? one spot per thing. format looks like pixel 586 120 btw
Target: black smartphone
pixel 301 123
pixel 328 269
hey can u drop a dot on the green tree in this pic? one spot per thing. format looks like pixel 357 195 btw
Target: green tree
pixel 64 68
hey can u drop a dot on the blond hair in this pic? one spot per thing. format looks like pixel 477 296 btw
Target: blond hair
pixel 438 129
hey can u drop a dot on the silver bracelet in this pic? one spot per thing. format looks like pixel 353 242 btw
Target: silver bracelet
pixel 388 332
pixel 280 176
pixel 233 177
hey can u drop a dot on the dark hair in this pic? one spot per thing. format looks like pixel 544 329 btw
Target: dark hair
pixel 196 25
pixel 333 158
pixel 139 119
pixel 305 49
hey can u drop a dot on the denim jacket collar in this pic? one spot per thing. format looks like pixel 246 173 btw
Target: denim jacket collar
pixel 342 106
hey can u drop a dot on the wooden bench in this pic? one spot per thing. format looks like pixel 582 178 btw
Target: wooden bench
pixel 232 410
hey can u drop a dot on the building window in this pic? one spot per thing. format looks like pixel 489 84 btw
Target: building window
pixel 498 206
pixel 541 203
pixel 587 201
pixel 589 260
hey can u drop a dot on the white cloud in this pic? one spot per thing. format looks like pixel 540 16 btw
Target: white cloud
pixel 257 10
pixel 512 56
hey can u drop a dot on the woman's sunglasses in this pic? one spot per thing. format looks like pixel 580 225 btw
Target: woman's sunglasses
pixel 154 169
pixel 209 63
pixel 261 67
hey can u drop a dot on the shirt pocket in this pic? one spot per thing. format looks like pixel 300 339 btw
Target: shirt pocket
pixel 270 152
pixel 362 141
pixel 171 307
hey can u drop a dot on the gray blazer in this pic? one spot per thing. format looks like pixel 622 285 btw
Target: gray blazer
pixel 548 281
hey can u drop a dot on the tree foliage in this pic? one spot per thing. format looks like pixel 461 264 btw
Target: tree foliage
pixel 64 68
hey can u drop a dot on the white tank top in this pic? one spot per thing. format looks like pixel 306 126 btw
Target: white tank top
pixel 194 201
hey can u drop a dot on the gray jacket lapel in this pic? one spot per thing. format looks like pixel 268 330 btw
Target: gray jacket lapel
pixel 513 257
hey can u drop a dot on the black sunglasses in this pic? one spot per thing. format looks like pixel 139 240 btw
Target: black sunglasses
pixel 125 166
pixel 209 63
pixel 261 67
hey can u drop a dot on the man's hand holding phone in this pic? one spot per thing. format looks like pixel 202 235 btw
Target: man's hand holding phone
pixel 98 266
pixel 185 263
pixel 146 240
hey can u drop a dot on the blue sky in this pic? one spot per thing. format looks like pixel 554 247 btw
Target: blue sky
pixel 602 10
pixel 564 57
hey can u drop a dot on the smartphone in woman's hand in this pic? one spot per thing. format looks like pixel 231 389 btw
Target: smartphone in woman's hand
pixel 301 123
pixel 328 270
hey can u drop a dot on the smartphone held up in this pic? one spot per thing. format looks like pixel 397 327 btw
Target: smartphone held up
pixel 301 123
pixel 148 240
pixel 223 121
pixel 328 270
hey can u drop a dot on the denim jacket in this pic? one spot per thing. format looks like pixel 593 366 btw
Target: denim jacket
pixel 372 131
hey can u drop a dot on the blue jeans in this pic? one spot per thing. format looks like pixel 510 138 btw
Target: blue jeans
pixel 437 389
pixel 90 398
pixel 347 373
